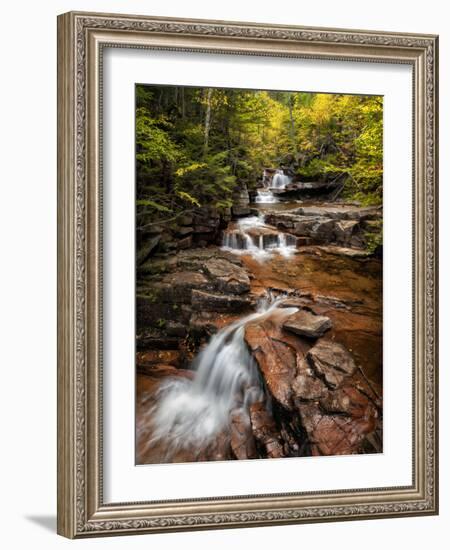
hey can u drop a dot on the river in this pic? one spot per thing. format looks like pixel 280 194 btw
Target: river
pixel 191 411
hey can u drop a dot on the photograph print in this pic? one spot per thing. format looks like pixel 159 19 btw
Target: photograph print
pixel 259 262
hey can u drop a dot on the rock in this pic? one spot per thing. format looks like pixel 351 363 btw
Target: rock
pixel 267 236
pixel 241 211
pixel 152 309
pixel 305 189
pixel 265 430
pixel 242 440
pixel 173 328
pixel 177 286
pixel 146 248
pixel 157 266
pixel 341 212
pixel 276 360
pixel 339 224
pixel 306 323
pixel 226 215
pixel 218 449
pixel 344 251
pixel 241 202
pixel 155 339
pixel 306 386
pixel 185 243
pixel 204 228
pixel 302 241
pixel 227 277
pixel 281 220
pixel 147 382
pixel 165 287
pixel 346 399
pixel 345 230
pixel 195 258
pixel 331 361
pixel 184 231
pixel 149 359
pixel 202 324
pixel 318 229
pixel 186 219
pixel 336 434
pixel 206 323
pixel 208 301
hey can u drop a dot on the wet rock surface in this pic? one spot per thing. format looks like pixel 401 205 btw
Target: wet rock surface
pixel 241 202
pixel 319 364
pixel 307 323
pixel 195 280
pixel 331 362
pixel 345 226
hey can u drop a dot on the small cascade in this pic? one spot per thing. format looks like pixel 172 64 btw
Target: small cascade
pixel 280 180
pixel 252 236
pixel 190 413
pixel 265 196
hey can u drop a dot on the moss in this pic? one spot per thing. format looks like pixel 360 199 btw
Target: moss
pixel 374 241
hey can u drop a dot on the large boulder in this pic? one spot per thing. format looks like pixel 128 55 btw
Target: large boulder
pixel 331 361
pixel 306 323
pixel 276 355
pixel 241 201
pixel 339 410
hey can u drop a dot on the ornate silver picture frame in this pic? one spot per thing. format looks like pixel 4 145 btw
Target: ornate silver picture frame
pixel 82 39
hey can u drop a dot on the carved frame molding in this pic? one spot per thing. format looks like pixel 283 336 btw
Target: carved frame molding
pixel 81 39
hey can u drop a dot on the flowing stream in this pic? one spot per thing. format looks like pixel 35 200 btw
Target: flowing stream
pixel 252 236
pixel 190 413
pixel 279 181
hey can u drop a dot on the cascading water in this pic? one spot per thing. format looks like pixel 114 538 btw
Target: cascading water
pixel 265 196
pixel 190 413
pixel 280 180
pixel 253 236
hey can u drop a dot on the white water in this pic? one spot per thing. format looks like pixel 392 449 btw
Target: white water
pixel 265 196
pixel 280 180
pixel 260 247
pixel 190 413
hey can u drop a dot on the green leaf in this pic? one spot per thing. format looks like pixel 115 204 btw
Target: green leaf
pixel 153 204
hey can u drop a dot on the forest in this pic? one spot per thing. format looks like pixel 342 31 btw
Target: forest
pixel 195 145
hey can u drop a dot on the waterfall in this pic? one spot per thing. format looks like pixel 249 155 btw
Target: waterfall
pixel 280 180
pixel 190 413
pixel 265 196
pixel 253 236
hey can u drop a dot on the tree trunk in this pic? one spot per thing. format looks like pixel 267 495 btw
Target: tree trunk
pixel 292 127
pixel 207 120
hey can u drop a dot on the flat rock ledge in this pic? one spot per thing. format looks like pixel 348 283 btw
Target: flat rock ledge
pixel 189 292
pixel 341 225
